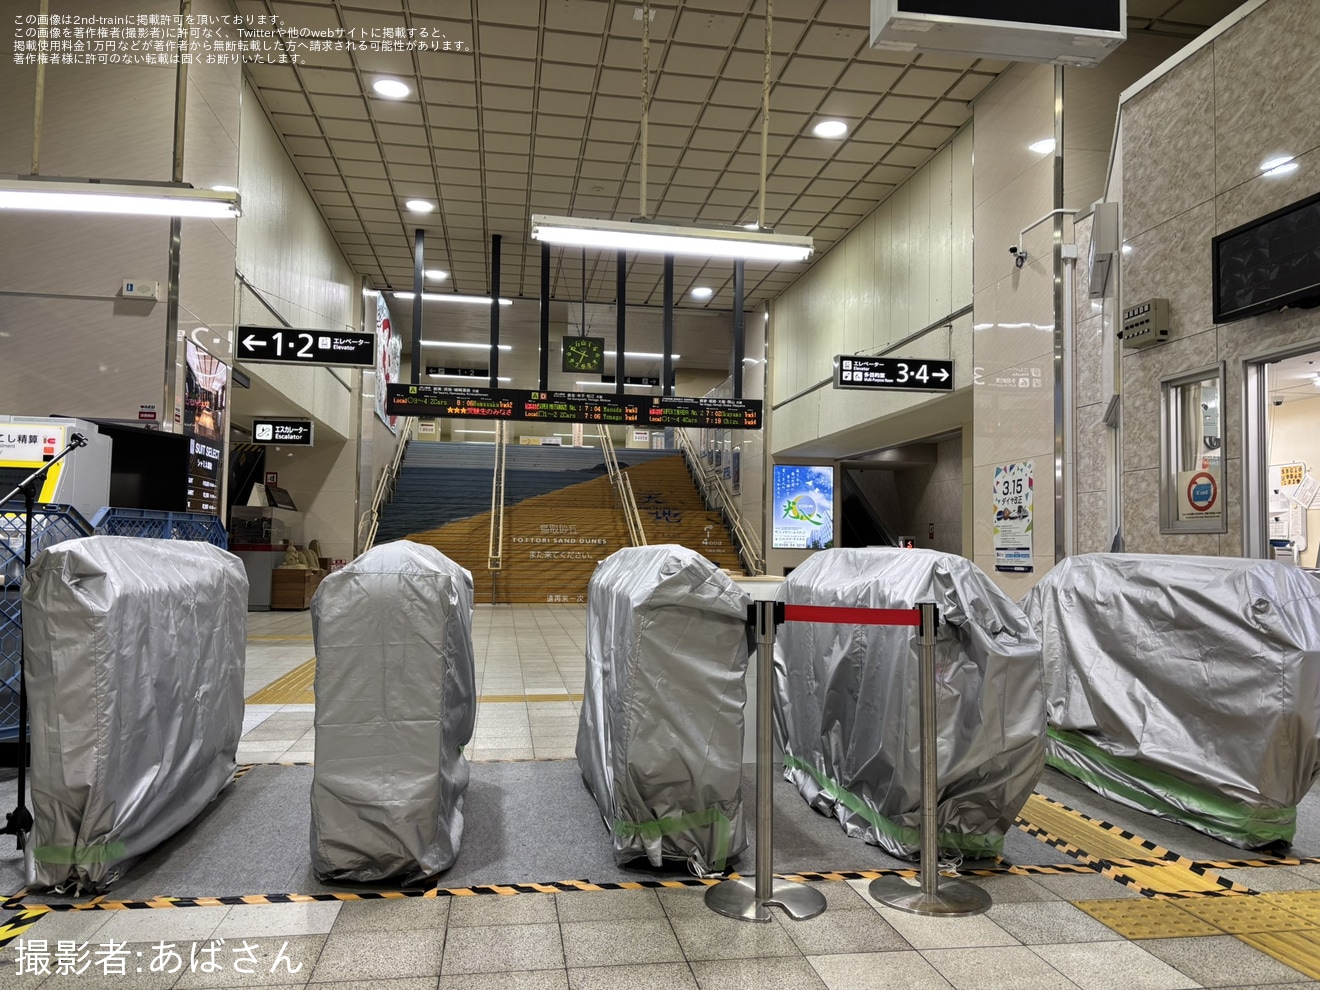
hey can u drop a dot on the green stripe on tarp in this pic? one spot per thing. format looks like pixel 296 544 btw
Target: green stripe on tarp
pixel 79 855
pixel 660 827
pixel 976 846
pixel 1155 790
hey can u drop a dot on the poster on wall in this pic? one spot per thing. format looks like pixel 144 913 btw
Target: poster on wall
pixel 804 507
pixel 389 347
pixel 205 394
pixel 1198 494
pixel 1014 485
pixel 735 483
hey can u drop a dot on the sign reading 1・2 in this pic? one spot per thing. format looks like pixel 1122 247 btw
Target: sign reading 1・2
pixel 289 345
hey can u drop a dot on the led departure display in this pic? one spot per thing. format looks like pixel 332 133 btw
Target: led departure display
pixel 573 407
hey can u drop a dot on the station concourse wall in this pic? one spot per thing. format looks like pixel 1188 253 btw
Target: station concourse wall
pixel 1193 141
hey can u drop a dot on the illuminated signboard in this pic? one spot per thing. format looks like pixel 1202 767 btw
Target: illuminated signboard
pixel 433 401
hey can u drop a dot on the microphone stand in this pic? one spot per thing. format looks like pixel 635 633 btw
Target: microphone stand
pixel 18 823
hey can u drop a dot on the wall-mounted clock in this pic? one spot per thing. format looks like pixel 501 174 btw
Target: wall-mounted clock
pixel 584 354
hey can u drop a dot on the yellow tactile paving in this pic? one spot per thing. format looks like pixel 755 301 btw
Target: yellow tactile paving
pixel 294 688
pixel 1175 876
pixel 1147 918
pixel 1244 915
pixel 1298 949
pixel 1304 903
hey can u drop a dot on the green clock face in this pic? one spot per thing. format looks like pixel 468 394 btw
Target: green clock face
pixel 584 354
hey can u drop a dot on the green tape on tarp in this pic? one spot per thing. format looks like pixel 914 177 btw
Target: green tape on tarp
pixel 1154 792
pixel 660 827
pixel 79 855
pixel 975 846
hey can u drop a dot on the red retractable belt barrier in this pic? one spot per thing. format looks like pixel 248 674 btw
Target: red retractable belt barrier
pixel 853 616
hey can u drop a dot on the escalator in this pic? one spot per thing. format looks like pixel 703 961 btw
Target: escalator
pixel 861 524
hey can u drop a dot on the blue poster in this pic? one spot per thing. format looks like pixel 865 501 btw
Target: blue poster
pixel 804 507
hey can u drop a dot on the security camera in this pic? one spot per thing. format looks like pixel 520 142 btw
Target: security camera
pixel 1019 255
pixel 1276 400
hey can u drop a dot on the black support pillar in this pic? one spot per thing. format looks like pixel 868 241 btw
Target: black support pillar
pixel 667 368
pixel 418 362
pixel 544 381
pixel 620 317
pixel 494 310
pixel 739 328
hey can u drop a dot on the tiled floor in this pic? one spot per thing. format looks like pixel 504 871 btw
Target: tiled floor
pixel 529 672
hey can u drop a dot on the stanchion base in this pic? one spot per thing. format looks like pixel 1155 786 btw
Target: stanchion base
pixel 737 899
pixel 951 898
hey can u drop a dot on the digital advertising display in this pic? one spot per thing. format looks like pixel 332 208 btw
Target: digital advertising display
pixel 804 507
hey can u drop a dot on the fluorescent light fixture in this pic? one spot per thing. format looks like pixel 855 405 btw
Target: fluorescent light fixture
pixel 464 345
pixel 830 129
pixel 644 355
pixel 656 238
pixel 435 273
pixel 702 292
pixel 1045 147
pixel 233 189
pixel 122 198
pixel 392 89
pixel 1279 166
pixel 419 206
pixel 611 386
pixel 451 297
pixel 471 378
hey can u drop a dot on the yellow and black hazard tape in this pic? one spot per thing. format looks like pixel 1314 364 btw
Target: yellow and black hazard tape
pixel 1156 876
pixel 18 925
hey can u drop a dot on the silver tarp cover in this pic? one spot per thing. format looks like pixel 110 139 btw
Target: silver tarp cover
pixel 134 666
pixel 1188 687
pixel 395 704
pixel 660 735
pixel 846 700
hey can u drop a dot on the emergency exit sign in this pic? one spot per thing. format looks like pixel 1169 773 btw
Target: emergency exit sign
pixel 902 374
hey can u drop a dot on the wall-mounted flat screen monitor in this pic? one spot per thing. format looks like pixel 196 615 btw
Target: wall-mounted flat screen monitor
pixel 1269 263
pixel 804 507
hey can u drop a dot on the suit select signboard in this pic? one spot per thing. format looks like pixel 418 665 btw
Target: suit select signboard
pixel 902 374
pixel 293 432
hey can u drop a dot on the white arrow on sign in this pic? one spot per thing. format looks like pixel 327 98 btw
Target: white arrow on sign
pixel 941 374
pixel 250 342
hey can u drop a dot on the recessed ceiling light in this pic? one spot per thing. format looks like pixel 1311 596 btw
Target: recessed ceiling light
pixel 419 206
pixel 1045 147
pixel 225 188
pixel 830 129
pixel 435 273
pixel 702 292
pixel 391 89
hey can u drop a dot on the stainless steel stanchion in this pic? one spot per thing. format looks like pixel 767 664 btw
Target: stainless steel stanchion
pixel 934 896
pixel 751 899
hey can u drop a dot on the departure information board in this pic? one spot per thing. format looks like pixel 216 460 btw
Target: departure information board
pixel 573 407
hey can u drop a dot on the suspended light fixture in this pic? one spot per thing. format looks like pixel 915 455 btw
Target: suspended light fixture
pixel 452 297
pixel 656 238
pixel 752 243
pixel 146 199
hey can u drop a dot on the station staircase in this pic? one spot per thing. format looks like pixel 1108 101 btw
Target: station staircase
pixel 562 514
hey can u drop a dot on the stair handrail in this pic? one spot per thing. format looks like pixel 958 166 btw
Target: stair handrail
pixel 495 548
pixel 370 521
pixel 715 494
pixel 623 488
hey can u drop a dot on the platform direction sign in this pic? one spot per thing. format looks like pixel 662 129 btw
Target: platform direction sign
pixel 903 374
pixel 290 345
